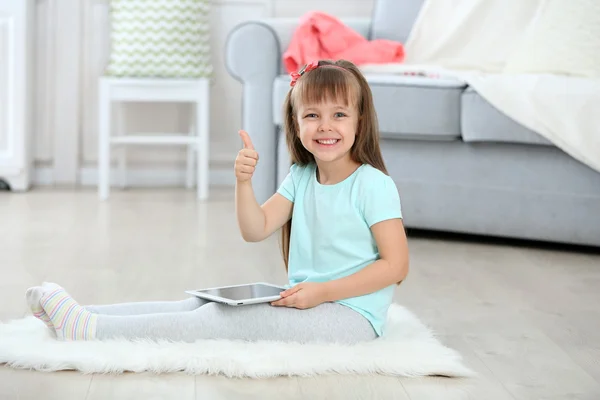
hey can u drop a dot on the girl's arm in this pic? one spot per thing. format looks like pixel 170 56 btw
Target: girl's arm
pixel 391 268
pixel 256 223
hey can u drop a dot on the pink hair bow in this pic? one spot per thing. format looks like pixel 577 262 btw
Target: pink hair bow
pixel 307 68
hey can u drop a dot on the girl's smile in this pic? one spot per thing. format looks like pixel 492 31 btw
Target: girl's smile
pixel 327 143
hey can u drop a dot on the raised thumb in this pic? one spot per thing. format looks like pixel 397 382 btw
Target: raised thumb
pixel 246 139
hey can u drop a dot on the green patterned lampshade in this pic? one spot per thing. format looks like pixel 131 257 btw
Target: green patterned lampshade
pixel 160 39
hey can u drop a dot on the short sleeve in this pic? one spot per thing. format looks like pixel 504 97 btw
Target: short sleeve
pixel 288 187
pixel 381 200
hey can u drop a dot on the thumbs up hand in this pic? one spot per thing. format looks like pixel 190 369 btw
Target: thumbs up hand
pixel 246 160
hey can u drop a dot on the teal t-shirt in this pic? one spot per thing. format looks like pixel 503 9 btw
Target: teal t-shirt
pixel 331 236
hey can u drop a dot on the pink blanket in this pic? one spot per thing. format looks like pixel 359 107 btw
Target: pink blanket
pixel 322 36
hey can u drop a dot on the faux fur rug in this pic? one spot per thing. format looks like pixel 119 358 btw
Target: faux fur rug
pixel 408 348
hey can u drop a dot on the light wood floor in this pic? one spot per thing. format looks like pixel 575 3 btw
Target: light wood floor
pixel 526 318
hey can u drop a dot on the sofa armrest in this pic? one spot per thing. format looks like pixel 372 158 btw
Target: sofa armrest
pixel 253 56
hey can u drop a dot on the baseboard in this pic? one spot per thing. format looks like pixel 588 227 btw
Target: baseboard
pixel 140 177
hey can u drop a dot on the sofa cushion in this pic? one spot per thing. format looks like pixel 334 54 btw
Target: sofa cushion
pixel 482 122
pixel 408 107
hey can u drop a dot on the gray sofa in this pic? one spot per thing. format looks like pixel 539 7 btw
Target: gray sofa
pixel 459 164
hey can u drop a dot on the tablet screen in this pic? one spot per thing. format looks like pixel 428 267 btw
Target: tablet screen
pixel 244 292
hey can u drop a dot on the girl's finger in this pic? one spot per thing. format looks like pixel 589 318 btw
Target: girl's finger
pixel 250 154
pixel 249 161
pixel 291 291
pixel 286 301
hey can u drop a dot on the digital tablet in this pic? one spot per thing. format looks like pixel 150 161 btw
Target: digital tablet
pixel 239 295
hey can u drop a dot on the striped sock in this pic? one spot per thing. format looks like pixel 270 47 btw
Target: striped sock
pixel 70 320
pixel 33 296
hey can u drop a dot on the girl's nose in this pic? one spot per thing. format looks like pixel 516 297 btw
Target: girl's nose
pixel 324 127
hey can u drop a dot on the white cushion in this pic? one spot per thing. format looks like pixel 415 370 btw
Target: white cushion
pixel 159 39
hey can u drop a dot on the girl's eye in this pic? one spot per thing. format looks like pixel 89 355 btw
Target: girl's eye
pixel 340 114
pixel 310 116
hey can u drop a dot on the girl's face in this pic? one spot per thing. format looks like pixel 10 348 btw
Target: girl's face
pixel 328 129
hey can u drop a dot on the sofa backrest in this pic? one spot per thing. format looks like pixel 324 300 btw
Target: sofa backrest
pixel 394 19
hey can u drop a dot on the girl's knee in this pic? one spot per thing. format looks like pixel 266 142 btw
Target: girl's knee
pixel 211 308
pixel 224 311
pixel 194 303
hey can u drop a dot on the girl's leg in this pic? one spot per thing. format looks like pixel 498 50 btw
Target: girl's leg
pixel 150 307
pixel 34 294
pixel 329 322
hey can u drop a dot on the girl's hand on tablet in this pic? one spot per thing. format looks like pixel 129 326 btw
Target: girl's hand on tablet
pixel 303 296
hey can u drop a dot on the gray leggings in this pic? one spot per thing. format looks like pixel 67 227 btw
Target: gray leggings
pixel 194 319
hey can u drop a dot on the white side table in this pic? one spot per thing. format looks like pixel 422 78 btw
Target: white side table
pixel 194 91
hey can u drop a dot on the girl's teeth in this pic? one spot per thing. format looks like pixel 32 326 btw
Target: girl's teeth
pixel 329 141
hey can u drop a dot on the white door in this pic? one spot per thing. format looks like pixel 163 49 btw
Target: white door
pixel 16 45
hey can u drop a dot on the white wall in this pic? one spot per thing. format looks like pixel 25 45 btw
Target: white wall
pixel 70 59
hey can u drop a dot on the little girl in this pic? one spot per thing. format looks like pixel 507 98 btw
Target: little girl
pixel 343 239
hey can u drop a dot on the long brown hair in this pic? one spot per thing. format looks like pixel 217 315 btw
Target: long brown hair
pixel 337 81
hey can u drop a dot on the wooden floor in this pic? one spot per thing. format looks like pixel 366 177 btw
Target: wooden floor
pixel 526 318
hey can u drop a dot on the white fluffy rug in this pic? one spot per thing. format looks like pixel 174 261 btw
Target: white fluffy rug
pixel 408 348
